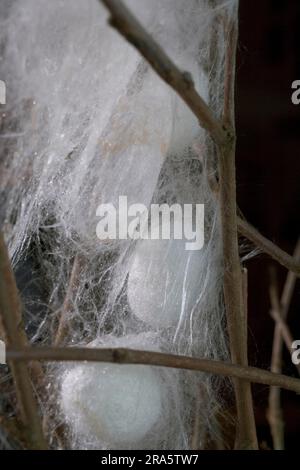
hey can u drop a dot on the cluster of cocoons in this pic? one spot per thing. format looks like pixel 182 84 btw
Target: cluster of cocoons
pixel 88 121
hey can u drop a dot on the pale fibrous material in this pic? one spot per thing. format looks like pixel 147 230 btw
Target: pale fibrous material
pixel 158 263
pixel 113 403
pixel 87 120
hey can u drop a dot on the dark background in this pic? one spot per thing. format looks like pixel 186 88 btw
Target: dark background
pixel 268 174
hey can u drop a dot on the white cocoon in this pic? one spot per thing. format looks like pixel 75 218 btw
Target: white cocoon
pixel 111 403
pixel 162 281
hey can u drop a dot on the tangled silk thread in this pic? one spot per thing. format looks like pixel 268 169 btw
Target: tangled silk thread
pixel 86 121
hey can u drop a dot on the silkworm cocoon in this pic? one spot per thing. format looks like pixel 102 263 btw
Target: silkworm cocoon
pixel 162 281
pixel 112 403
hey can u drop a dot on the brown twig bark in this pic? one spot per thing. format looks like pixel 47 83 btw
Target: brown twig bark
pixel 246 435
pixel 233 287
pixel 14 335
pixel 279 255
pixel 275 413
pixel 63 325
pixel 151 358
pixel 63 330
pixel 247 230
pixel 128 26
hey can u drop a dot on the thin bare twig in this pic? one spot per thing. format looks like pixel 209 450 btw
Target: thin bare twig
pixel 233 289
pixel 246 435
pixel 182 82
pixel 151 358
pixel 63 326
pixel 279 255
pixel 274 414
pixel 14 335
pixel 252 234
pixel 63 330
pixel 284 328
pixel 280 308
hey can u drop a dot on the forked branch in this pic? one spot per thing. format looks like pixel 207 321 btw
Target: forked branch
pixel 268 247
pixel 182 82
